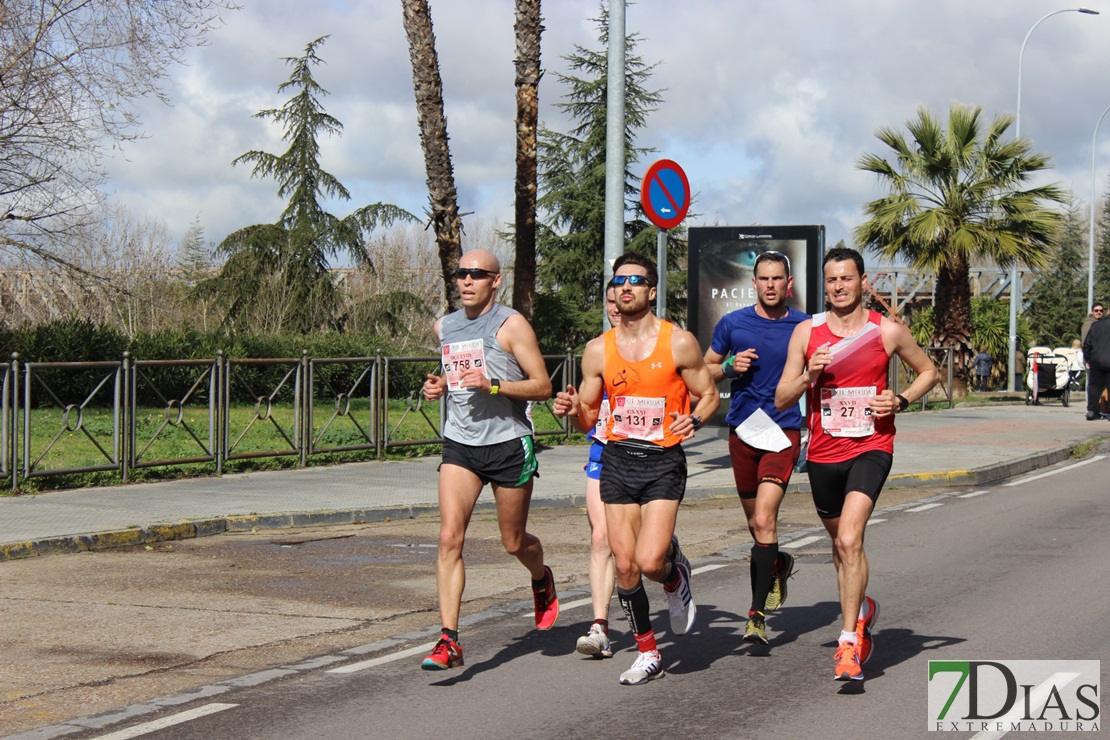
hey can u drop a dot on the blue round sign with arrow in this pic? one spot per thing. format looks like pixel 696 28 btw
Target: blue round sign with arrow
pixel 665 194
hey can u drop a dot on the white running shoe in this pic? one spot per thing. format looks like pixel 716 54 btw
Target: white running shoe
pixel 595 643
pixel 680 602
pixel 648 666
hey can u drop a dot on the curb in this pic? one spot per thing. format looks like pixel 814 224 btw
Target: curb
pixel 153 533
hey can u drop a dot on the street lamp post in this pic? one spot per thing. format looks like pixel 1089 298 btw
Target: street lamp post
pixel 1015 276
pixel 1091 235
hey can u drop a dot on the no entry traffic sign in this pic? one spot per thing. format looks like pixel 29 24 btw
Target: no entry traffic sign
pixel 665 194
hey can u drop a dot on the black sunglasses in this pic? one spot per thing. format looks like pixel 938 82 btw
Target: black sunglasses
pixel 630 279
pixel 473 273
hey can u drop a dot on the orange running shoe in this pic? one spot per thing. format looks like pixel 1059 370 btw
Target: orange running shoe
pixel 863 630
pixel 547 603
pixel 446 654
pixel 847 663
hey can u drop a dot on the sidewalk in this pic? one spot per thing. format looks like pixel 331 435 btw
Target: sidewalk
pixel 968 445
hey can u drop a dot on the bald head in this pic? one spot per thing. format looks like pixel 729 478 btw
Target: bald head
pixel 481 259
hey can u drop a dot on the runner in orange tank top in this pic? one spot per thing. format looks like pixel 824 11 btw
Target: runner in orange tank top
pixel 649 368
pixel 840 358
pixel 645 392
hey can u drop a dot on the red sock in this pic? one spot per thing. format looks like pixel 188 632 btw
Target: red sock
pixel 646 642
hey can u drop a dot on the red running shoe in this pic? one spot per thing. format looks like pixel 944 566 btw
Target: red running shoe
pixel 863 630
pixel 446 654
pixel 547 603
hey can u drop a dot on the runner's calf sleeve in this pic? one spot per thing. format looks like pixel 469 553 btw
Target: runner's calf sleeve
pixel 634 601
pixel 762 569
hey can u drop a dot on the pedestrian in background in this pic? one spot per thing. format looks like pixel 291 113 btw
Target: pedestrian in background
pixel 983 362
pixel 1097 312
pixel 1096 353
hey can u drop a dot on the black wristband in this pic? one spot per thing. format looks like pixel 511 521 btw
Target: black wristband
pixel 697 422
pixel 903 404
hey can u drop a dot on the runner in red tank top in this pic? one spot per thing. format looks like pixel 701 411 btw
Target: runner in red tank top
pixel 840 359
pixel 649 368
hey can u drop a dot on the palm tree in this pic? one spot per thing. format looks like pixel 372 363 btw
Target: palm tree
pixel 443 199
pixel 956 195
pixel 528 27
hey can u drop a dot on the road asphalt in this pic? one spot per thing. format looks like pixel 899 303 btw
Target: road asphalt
pixel 339 561
pixel 965 445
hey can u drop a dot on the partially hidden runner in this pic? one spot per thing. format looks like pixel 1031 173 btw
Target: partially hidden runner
pixel 602 570
pixel 749 348
pixel 492 367
pixel 840 358
pixel 648 368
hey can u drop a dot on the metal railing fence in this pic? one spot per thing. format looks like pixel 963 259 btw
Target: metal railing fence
pixel 122 416
pixel 60 418
pixel 900 375
pixel 10 392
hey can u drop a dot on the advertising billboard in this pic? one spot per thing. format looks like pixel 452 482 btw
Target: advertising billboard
pixel 721 262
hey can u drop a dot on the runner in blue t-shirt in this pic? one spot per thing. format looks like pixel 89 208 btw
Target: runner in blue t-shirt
pixel 749 347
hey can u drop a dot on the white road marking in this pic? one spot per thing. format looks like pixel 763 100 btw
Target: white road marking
pixel 875 521
pixel 711 566
pixel 363 665
pixel 1096 458
pixel 569 605
pixel 161 724
pixel 973 494
pixel 924 507
pixel 801 542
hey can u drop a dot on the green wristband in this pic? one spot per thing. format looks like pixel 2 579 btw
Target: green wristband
pixel 728 369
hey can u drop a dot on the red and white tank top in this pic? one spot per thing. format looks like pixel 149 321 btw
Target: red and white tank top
pixel 841 425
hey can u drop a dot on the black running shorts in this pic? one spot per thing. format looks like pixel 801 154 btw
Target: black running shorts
pixel 831 482
pixel 632 475
pixel 511 464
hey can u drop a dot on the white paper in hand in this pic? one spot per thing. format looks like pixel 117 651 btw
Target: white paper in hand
pixel 761 432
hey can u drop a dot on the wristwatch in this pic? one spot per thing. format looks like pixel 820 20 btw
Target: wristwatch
pixel 902 402
pixel 696 421
pixel 494 386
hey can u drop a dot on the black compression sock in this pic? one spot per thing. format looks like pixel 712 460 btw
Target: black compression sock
pixel 762 567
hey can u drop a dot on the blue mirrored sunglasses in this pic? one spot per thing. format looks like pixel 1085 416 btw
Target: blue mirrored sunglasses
pixel 630 279
pixel 473 273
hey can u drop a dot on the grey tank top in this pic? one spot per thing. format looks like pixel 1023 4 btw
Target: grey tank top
pixel 474 417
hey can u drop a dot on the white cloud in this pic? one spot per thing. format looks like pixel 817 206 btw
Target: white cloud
pixel 768 105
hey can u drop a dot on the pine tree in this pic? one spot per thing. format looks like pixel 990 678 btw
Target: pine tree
pixel 1058 296
pixel 1102 250
pixel 195 262
pixel 275 277
pixel 571 236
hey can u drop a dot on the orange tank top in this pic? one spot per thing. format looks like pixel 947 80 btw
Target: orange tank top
pixel 643 394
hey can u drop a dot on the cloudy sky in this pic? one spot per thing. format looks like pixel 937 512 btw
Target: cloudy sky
pixel 768 103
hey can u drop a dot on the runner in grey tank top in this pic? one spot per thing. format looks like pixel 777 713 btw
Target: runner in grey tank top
pixel 491 369
pixel 475 417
